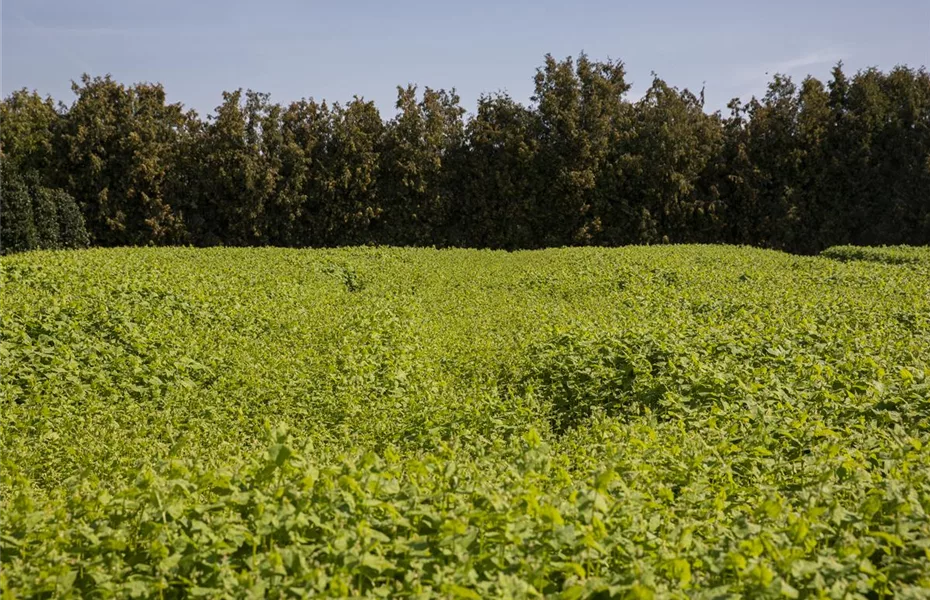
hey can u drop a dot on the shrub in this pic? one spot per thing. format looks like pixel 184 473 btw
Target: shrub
pixel 35 217
pixel 19 231
pixel 45 214
pixel 71 227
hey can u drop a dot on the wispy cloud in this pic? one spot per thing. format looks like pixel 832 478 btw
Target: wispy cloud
pixel 90 31
pixel 763 71
pixel 748 80
pixel 820 57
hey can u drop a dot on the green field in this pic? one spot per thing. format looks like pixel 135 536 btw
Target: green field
pixel 681 421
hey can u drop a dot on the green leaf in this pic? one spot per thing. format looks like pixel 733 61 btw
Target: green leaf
pixel 457 591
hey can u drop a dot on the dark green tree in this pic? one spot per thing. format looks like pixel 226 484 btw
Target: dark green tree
pixel 28 127
pixel 117 147
pixel 234 179
pixel 673 143
pixel 17 224
pixel 294 138
pixel 815 122
pixel 801 168
pixel 34 217
pixel 350 209
pixel 418 141
pixel 497 182
pixel 581 117
pixel 776 157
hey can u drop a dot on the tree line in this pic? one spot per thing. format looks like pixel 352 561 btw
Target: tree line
pixel 801 168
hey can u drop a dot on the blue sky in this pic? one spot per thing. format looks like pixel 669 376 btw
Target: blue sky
pixel 334 50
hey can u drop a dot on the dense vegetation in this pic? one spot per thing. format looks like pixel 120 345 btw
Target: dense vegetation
pixel 682 421
pixel 802 168
pixel 35 216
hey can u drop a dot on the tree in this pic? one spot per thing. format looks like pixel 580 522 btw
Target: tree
pixel 350 209
pixel 672 145
pixel 34 217
pixel 581 112
pixel 774 152
pixel 294 138
pixel 734 179
pixel 235 180
pixel 29 126
pixel 72 233
pixel 117 147
pixel 419 141
pixel 497 180
pixel 801 168
pixel 58 219
pixel 815 122
pixel 900 209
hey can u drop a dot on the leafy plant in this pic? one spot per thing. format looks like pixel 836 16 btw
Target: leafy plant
pixel 231 422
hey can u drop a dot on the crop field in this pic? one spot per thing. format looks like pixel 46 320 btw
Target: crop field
pixel 643 422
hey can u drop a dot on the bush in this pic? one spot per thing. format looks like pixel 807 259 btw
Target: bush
pixel 45 215
pixel 16 218
pixel 35 217
pixel 71 227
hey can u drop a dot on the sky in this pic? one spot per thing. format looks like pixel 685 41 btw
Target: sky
pixel 335 50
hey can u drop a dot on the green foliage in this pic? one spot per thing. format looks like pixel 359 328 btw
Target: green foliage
pixel 805 167
pixel 37 217
pixel 674 144
pixel 581 116
pixel 117 147
pixel 497 208
pixel 683 421
pixel 27 135
pixel 351 206
pixel 71 230
pixel 232 179
pixel 17 218
pixel 419 143
pixel 893 255
pixel 578 374
pixel 45 216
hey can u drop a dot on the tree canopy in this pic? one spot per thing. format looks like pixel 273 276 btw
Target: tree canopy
pixel 806 166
